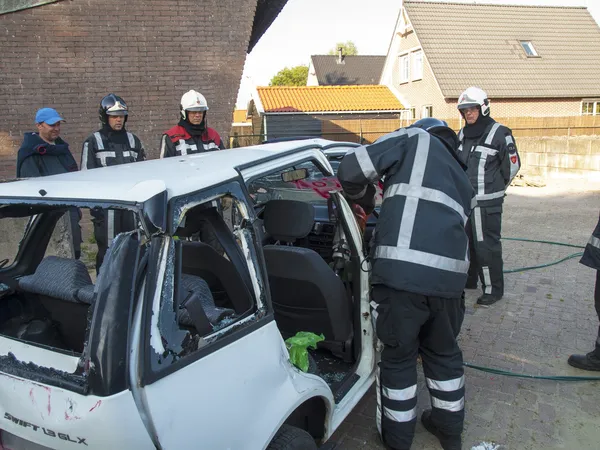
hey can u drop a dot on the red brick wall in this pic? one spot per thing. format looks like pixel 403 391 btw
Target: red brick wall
pixel 69 54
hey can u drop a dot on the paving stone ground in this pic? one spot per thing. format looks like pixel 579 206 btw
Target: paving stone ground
pixel 546 315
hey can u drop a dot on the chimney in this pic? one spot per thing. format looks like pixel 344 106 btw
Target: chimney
pixel 340 59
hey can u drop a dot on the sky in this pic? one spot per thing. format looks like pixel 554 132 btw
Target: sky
pixel 313 27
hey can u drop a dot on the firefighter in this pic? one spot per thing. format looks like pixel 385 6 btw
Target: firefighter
pixel 591 258
pixel 419 270
pixel 111 145
pixel 191 134
pixel 488 150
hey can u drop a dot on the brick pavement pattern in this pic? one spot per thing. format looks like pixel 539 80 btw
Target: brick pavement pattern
pixel 546 315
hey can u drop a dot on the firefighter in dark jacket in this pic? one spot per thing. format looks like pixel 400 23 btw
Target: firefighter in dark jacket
pixel 46 153
pixel 191 134
pixel 110 146
pixel 488 150
pixel 591 258
pixel 420 262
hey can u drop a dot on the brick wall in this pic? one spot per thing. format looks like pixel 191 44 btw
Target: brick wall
pixel 69 54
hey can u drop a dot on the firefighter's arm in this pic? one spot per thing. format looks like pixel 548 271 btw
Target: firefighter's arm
pixel 88 154
pixel 141 154
pixel 510 160
pixel 166 147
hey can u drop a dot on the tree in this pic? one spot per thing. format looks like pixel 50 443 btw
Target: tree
pixel 290 76
pixel 348 48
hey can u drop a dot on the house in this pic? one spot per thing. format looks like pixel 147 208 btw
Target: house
pixel 334 112
pixel 58 53
pixel 340 69
pixel 533 61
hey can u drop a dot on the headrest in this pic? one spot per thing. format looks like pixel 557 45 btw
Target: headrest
pixel 288 220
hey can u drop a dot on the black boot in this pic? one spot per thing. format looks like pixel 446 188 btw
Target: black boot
pixel 488 299
pixel 449 442
pixel 591 361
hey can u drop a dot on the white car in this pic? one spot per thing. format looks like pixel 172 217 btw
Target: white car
pixel 179 341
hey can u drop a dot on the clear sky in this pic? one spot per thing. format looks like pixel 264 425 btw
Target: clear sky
pixel 312 27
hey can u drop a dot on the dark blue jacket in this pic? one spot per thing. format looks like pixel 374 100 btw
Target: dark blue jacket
pixel 37 158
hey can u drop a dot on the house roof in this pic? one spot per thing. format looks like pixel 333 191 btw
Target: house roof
pixel 241 116
pixel 307 99
pixel 266 12
pixel 358 69
pixel 479 44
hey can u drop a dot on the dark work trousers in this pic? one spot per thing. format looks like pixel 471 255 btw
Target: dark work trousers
pixel 485 249
pixel 107 224
pixel 410 324
pixel 597 305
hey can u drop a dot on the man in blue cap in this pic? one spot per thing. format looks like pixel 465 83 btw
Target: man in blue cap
pixel 45 153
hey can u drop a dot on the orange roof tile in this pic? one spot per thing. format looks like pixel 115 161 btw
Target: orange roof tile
pixel 328 98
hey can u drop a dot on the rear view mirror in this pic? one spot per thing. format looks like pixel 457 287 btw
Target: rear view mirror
pixel 294 175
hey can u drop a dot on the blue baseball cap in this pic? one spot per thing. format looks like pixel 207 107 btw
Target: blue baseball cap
pixel 48 115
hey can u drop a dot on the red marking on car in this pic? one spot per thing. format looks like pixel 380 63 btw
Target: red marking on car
pixel 98 403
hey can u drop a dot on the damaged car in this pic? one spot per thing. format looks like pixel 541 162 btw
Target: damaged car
pixel 179 340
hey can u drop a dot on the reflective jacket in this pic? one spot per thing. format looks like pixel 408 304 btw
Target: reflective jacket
pixel 102 149
pixel 420 244
pixel 177 142
pixel 492 162
pixel 591 254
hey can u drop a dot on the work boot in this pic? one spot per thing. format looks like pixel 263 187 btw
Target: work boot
pixel 585 362
pixel 488 299
pixel 449 442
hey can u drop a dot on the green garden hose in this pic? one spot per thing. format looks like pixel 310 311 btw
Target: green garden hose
pixel 522 269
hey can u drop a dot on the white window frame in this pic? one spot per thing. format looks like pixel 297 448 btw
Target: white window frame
pixel 426 111
pixel 404 66
pixel 529 49
pixel 417 68
pixel 595 107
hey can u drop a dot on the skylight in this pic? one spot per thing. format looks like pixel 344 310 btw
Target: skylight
pixel 529 49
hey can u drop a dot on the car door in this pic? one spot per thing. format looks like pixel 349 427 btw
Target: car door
pixel 230 387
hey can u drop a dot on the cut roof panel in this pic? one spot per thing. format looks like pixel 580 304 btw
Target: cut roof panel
pixel 480 44
pixel 353 70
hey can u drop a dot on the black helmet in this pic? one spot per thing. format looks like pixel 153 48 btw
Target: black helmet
pixel 112 105
pixel 441 130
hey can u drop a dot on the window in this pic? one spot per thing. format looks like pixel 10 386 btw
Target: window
pixel 426 111
pixel 404 69
pixel 417 72
pixel 529 49
pixel 412 113
pixel 590 108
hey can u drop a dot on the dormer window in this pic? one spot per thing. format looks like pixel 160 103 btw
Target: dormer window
pixel 529 49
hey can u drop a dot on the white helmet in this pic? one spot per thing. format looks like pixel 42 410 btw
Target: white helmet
pixel 474 96
pixel 192 101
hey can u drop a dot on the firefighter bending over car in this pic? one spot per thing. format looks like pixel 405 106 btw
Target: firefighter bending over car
pixel 488 150
pixel 419 269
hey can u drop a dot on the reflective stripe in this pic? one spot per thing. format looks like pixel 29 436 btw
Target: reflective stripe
pixel 490 136
pixel 448 406
pixel 84 156
pixel 163 146
pixel 487 279
pixel 400 394
pixel 131 153
pixel 407 222
pixel 365 163
pixel 99 142
pixel 447 385
pixel 422 258
pixel 211 146
pixel 461 134
pixel 490 196
pixel 374 307
pixel 110 226
pixel 400 416
pixel 183 147
pixel 359 195
pixel 131 140
pixel 103 155
pixel 478 226
pixel 421 153
pixel 424 193
pixel 473 202
pixel 594 241
pixel 486 151
pixel 378 391
pixel 509 140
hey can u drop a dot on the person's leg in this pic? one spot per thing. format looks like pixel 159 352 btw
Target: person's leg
pixel 444 373
pixel 100 234
pixel 399 316
pixel 590 361
pixel 473 274
pixel 489 256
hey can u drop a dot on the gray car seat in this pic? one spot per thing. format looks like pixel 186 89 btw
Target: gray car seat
pixel 192 284
pixel 306 294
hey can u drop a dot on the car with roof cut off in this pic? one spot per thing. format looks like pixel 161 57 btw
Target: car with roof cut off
pixel 178 342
